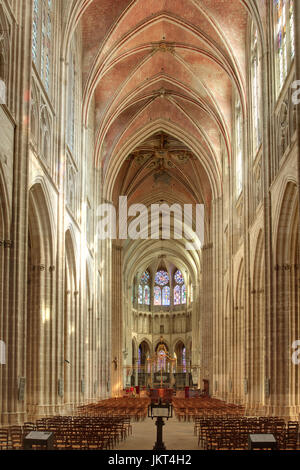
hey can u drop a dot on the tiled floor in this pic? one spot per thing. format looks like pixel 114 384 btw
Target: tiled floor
pixel 176 436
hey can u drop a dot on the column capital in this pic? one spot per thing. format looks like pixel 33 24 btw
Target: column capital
pixel 39 267
pixel 208 246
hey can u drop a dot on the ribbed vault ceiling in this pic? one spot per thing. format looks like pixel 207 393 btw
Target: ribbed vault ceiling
pixel 161 74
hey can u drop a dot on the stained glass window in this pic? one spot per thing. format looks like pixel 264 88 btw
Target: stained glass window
pixel 177 296
pixel 162 296
pixel 161 278
pixel 256 89
pixel 146 295
pixel 161 361
pixel 292 29
pixel 139 358
pixel 42 39
pixel 281 39
pixel 178 277
pixel 157 295
pixel 166 296
pixel 179 289
pixel 144 289
pixel 285 37
pixel 184 360
pixel 35 26
pixel 145 277
pixel 140 295
pixel 183 294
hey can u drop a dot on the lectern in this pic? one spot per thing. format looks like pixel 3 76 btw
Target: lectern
pixel 160 410
pixel 262 441
pixel 39 438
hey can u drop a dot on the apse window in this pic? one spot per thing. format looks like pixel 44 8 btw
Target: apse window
pixel 179 289
pixel 144 289
pixel 166 296
pixel 162 289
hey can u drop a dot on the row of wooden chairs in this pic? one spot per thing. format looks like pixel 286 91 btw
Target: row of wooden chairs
pixel 231 433
pixel 71 433
pixel 187 409
pixel 136 408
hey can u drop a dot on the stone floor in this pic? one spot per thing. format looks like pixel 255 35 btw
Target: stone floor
pixel 176 436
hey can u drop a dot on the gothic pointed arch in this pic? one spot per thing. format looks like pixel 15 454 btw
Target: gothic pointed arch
pixel 40 301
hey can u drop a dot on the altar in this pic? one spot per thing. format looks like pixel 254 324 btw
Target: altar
pixel 165 394
pixel 161 379
pixel 161 367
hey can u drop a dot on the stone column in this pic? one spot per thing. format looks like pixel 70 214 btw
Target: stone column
pixel 107 324
pixel 297 64
pixel 34 363
pixel 5 249
pixel 41 309
pixel 218 304
pixel 282 396
pixel 13 410
pixel 103 338
pixel 268 152
pixel 136 373
pixel 77 352
pixel 117 319
pixel 196 332
pixel 206 318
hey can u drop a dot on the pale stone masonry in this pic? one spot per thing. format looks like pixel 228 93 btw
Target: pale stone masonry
pixel 154 101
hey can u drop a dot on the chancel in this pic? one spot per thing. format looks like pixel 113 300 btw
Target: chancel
pixel 118 117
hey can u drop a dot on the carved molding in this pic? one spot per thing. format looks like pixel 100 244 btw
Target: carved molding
pixel 118 248
pixel 286 267
pixel 240 206
pixel 3 158
pixel 162 92
pixel 257 291
pixel 6 243
pixel 208 246
pixel 42 267
pixel 163 47
pixel 39 267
